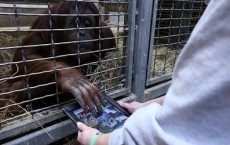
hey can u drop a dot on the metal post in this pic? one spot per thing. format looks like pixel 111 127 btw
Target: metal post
pixel 130 43
pixel 141 50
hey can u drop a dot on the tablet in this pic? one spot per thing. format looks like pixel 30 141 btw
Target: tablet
pixel 112 117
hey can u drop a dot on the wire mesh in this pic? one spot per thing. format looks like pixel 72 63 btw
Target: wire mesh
pixel 175 21
pixel 106 69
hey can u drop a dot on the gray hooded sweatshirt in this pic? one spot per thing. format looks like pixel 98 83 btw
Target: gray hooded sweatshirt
pixel 196 109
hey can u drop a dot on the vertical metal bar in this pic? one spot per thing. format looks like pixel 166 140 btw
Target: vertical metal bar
pixel 53 50
pixel 99 46
pixel 170 37
pixel 190 20
pixel 142 47
pixel 30 107
pixel 151 46
pixel 130 43
pixel 118 23
pixel 156 41
pixel 78 31
pixel 178 38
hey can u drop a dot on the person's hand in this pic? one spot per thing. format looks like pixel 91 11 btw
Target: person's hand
pixel 85 133
pixel 131 107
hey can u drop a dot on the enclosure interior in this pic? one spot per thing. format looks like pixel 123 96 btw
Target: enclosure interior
pixel 108 73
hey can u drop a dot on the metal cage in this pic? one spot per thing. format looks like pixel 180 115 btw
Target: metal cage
pixel 148 37
pixel 110 70
pixel 172 25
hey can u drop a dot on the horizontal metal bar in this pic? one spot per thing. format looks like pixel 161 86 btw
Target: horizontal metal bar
pixel 163 78
pixel 130 98
pixel 42 6
pixel 119 92
pixel 175 9
pixel 169 44
pixel 171 19
pixel 23 6
pixel 62 15
pixel 169 36
pixel 107 70
pixel 118 77
pixel 57 132
pixel 157 91
pixel 61 43
pixel 113 88
pixel 28 29
pixel 174 27
pixel 188 1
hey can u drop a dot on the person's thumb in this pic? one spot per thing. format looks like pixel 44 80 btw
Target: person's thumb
pixel 81 126
pixel 124 105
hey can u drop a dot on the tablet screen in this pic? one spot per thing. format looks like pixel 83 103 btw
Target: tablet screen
pixel 110 119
